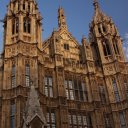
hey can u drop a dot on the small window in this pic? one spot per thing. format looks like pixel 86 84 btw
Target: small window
pixel 122 119
pixel 99 29
pixel 18 6
pixel 106 48
pixel 104 29
pixel 51 118
pixel 12 114
pixel 13 76
pixel 66 46
pixel 24 6
pixel 107 120
pixel 13 27
pixel 28 7
pixel 102 94
pixel 17 25
pixel 116 48
pixel 116 91
pixel 48 81
pixel 79 120
pixel 27 75
pixel 27 25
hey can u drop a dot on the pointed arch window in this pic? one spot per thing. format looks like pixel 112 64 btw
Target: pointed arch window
pixel 27 75
pixel 51 118
pixel 107 119
pixel 122 119
pixel 24 5
pixel 28 7
pixel 48 86
pixel 12 114
pixel 15 26
pixel 116 92
pixel 99 29
pixel 106 48
pixel 116 48
pixel 18 6
pixel 27 25
pixel 13 76
pixel 126 87
pixel 102 94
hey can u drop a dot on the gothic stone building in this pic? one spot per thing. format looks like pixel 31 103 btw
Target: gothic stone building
pixel 60 83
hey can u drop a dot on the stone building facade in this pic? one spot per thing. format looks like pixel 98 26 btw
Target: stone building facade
pixel 60 83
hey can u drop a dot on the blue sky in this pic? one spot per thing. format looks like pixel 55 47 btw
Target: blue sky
pixel 78 13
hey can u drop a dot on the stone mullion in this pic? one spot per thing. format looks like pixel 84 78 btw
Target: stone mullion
pixel 33 30
pixel 20 70
pixel 21 27
pixel 116 119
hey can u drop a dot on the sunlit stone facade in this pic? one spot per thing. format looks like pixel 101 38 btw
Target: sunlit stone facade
pixel 60 83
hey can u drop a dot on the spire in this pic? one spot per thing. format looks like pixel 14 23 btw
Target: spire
pixel 33 110
pixel 61 19
pixel 98 14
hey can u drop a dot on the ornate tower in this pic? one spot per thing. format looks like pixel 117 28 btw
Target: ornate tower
pixel 22 46
pixel 109 60
pixel 105 38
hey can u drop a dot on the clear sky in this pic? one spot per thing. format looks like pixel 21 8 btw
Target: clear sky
pixel 78 13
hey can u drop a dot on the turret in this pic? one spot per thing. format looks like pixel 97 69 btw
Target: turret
pixel 104 37
pixel 23 22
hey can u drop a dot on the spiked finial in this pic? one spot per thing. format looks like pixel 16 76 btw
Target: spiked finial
pixel 96 4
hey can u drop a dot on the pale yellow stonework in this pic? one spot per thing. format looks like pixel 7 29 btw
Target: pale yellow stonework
pixel 99 63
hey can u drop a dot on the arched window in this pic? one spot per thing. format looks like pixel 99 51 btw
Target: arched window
pixel 28 7
pixel 116 49
pixel 106 48
pixel 116 91
pixel 27 75
pixel 12 114
pixel 24 5
pixel 15 26
pixel 18 6
pixel 99 29
pixel 27 25
pixel 104 29
pixel 102 94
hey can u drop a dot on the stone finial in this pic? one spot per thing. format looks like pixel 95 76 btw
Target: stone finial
pixel 84 40
pixel 96 4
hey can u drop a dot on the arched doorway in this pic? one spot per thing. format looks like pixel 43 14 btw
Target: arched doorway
pixel 36 123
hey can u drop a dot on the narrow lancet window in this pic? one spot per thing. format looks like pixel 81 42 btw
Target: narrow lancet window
pixel 13 76
pixel 27 75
